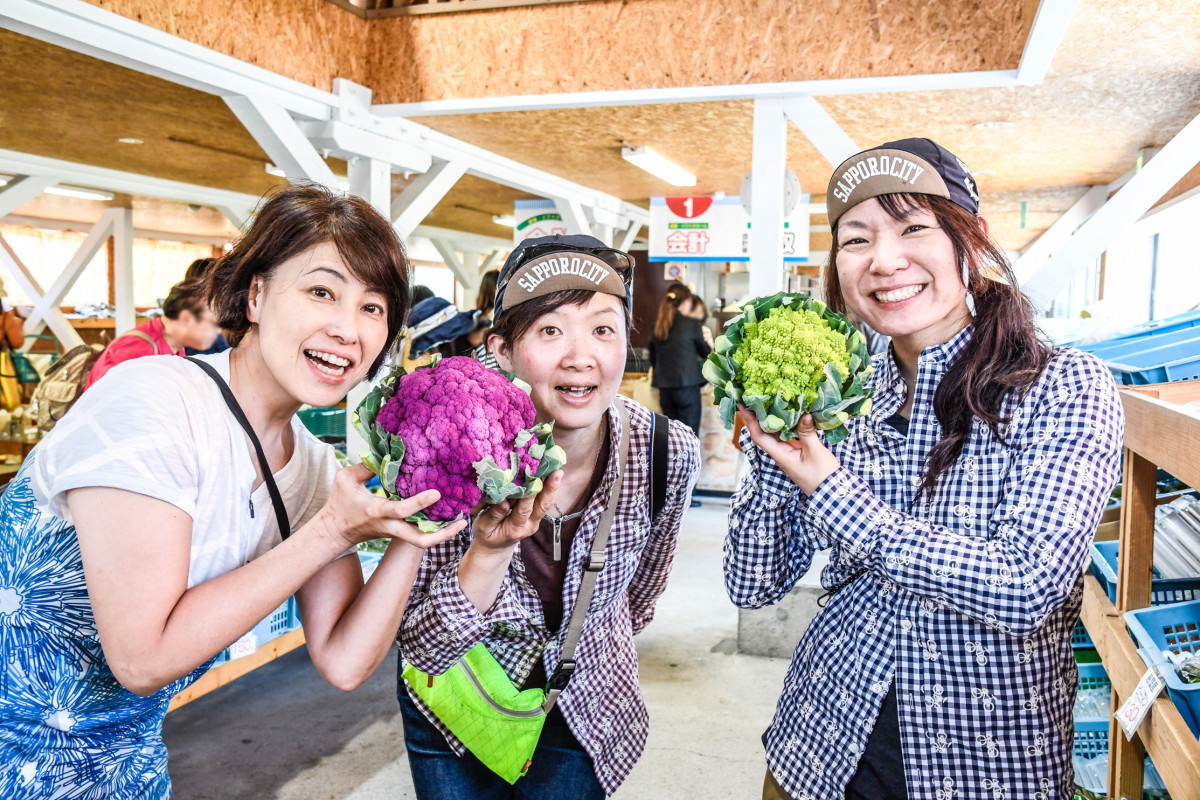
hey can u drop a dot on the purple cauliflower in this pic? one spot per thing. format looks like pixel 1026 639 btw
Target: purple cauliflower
pixel 450 417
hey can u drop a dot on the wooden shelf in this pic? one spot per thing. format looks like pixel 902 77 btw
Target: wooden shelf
pixel 1159 432
pixel 217 677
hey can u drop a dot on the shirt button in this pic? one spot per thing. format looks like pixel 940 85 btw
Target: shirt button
pixel 915 480
pixel 906 624
pixel 878 687
pixel 854 747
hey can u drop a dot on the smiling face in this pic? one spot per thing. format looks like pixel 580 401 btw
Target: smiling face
pixel 318 327
pixel 573 357
pixel 901 276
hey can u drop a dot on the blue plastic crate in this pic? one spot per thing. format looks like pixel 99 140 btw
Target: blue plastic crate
pixel 1092 676
pixel 1162 590
pixel 1188 319
pixel 279 622
pixel 1173 362
pixel 1080 638
pixel 1091 738
pixel 1174 628
pixel 1114 350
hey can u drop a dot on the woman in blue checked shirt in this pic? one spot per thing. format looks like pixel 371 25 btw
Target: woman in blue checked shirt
pixel 511 581
pixel 959 513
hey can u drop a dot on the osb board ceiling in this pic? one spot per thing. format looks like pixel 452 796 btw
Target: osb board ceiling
pixel 640 44
pixel 608 44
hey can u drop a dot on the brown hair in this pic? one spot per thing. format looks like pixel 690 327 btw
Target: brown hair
pixel 517 320
pixel 1006 354
pixel 667 309
pixel 485 301
pixel 296 219
pixel 186 296
pixel 198 269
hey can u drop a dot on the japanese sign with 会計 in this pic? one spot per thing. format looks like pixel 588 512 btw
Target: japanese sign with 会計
pixel 716 229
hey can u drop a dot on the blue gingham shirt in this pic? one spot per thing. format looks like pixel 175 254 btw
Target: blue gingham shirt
pixel 970 595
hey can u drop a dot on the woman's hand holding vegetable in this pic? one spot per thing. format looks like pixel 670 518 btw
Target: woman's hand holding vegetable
pixel 803 458
pixel 494 535
pixel 355 514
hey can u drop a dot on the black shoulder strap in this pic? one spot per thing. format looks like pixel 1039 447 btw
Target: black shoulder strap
pixel 285 527
pixel 659 430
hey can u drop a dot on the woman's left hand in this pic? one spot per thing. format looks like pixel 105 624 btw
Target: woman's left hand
pixel 804 458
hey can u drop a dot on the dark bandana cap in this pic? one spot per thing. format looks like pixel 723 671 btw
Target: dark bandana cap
pixel 907 166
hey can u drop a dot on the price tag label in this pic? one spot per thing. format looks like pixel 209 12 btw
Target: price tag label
pixel 243 647
pixel 1134 710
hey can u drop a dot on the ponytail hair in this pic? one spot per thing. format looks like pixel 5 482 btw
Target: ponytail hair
pixel 667 310
pixel 1006 354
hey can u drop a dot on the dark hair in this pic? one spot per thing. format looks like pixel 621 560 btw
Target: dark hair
pixel 186 296
pixel 517 320
pixel 198 269
pixel 298 218
pixel 485 301
pixel 667 309
pixel 1006 354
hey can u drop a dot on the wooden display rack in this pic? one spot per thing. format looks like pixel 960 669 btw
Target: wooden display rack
pixel 1159 432
pixel 217 677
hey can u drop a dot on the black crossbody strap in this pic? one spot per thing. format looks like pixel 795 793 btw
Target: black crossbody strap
pixel 285 527
pixel 660 429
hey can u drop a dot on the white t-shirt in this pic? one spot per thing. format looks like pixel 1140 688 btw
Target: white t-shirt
pixel 158 426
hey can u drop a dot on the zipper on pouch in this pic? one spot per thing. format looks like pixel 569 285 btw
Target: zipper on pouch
pixel 488 698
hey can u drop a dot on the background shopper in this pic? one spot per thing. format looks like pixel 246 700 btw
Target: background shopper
pixel 677 347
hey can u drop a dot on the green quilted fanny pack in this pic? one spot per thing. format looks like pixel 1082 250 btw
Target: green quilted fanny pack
pixel 476 699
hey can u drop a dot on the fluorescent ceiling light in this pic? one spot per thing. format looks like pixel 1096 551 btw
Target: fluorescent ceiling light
pixel 991 124
pixel 82 194
pixel 130 140
pixel 504 219
pixel 658 166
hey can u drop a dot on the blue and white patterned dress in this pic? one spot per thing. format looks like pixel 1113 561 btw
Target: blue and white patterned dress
pixel 68 729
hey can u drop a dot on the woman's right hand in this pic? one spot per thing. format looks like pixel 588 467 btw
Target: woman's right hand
pixel 357 515
pixel 498 528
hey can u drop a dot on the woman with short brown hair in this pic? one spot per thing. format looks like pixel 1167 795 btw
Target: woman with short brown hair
pixel 145 534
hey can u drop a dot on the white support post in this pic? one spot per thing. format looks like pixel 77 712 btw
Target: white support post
pixel 453 260
pixel 766 197
pixel 603 232
pixel 238 215
pixel 280 136
pixel 23 278
pixel 573 216
pixel 413 204
pixel 21 190
pixel 45 306
pixel 488 260
pixel 122 234
pixel 625 240
pixel 1124 209
pixel 471 277
pixel 1034 256
pixel 819 128
pixel 371 180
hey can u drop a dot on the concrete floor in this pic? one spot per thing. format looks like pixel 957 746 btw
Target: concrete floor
pixel 281 732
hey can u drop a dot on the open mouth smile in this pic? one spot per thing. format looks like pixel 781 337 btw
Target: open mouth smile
pixel 330 364
pixel 897 295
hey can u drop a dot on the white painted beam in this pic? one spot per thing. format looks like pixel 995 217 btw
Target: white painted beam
pixel 488 260
pixel 1034 257
pixel 625 240
pixel 1049 26
pixel 282 139
pixel 372 180
pixel 345 141
pixel 1121 211
pixel 455 262
pixel 819 128
pixel 421 196
pixel 14 162
pixel 464 240
pixel 702 94
pixel 769 161
pixel 23 278
pixel 571 211
pixel 85 28
pixel 20 190
pixel 122 236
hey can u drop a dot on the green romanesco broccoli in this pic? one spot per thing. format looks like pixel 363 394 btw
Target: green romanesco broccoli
pixel 787 352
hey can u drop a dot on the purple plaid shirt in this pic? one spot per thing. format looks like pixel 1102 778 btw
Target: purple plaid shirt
pixel 969 596
pixel 602 704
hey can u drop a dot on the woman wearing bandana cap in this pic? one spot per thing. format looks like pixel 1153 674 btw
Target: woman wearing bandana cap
pixel 959 513
pixel 561 324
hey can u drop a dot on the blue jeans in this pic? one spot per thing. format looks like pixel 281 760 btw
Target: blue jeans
pixel 562 769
